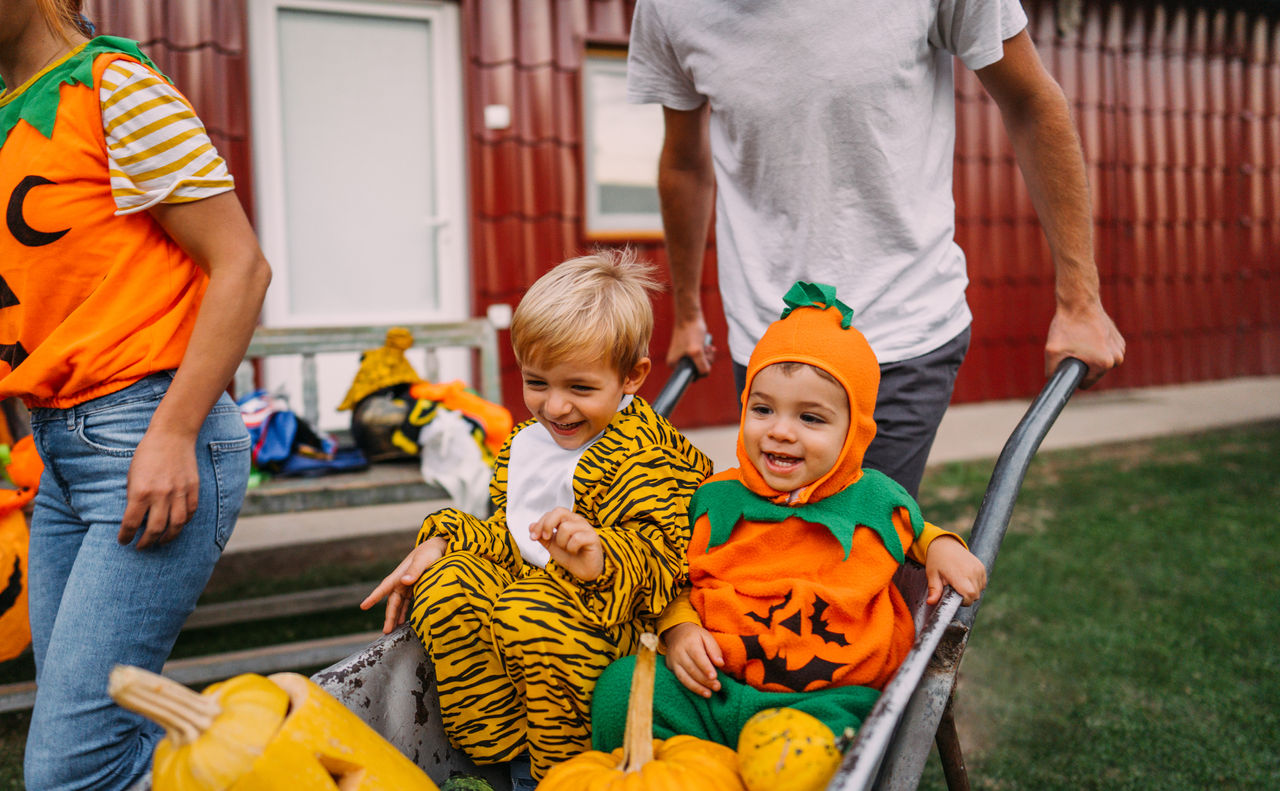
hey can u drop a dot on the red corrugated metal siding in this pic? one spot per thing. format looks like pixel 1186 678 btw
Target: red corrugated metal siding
pixel 1177 112
pixel 527 180
pixel 1178 109
pixel 201 45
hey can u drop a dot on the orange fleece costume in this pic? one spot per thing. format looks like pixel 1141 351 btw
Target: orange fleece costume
pixel 797 587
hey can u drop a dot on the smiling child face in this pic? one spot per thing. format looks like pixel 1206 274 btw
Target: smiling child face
pixel 794 425
pixel 575 399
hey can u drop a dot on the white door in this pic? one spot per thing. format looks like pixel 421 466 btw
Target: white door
pixel 358 151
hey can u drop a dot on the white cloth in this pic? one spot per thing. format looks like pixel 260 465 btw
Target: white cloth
pixel 832 134
pixel 451 458
pixel 540 479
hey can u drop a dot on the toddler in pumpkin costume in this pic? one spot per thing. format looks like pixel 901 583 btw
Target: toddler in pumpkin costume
pixel 790 598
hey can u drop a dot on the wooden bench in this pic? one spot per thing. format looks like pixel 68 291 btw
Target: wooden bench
pixel 381 483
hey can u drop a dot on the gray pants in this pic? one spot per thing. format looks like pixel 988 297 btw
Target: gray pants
pixel 913 396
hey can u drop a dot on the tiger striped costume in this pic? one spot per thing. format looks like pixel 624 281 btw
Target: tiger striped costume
pixel 517 649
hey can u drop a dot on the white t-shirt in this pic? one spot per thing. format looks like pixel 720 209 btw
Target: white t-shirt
pixel 832 134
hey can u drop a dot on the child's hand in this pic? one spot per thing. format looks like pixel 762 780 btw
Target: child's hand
pixel 572 542
pixel 693 655
pixel 397 588
pixel 949 563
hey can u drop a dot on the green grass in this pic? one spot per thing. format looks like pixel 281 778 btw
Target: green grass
pixel 1128 639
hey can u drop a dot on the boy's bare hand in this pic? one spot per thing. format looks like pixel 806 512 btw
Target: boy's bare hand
pixel 949 563
pixel 572 542
pixel 693 655
pixel 397 587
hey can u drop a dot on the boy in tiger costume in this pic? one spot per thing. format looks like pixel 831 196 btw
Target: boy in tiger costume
pixel 790 599
pixel 521 612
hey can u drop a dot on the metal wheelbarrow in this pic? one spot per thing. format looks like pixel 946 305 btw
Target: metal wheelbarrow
pixel 391 686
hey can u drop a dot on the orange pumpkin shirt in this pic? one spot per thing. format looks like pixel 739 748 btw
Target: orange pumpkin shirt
pixel 91 301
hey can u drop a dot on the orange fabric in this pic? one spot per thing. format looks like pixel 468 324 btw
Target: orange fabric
pixel 789 611
pixel 111 300
pixel 788 585
pixel 454 395
pixel 25 466
pixel 24 469
pixel 813 336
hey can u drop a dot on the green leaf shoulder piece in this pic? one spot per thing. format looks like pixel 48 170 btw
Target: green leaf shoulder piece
pixel 36 102
pixel 869 502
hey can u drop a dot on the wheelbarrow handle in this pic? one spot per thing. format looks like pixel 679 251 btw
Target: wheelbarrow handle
pixel 682 376
pixel 863 761
pixel 1011 467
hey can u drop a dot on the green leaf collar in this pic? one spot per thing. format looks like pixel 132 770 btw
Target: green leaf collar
pixel 869 502
pixel 36 101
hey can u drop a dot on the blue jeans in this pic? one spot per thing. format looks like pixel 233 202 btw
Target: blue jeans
pixel 95 603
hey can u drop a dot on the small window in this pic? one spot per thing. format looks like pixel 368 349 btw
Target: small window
pixel 622 145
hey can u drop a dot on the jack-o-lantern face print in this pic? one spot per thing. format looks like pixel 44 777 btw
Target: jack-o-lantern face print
pixel 813 651
pixel 15 220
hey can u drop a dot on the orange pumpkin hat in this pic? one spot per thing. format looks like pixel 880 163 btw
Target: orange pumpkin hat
pixel 816 329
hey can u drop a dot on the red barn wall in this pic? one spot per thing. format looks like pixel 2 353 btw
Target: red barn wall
pixel 1178 108
pixel 527 180
pixel 1178 113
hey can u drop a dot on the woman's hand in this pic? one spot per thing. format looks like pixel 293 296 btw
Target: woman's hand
pixel 949 563
pixel 397 587
pixel 572 542
pixel 163 488
pixel 693 655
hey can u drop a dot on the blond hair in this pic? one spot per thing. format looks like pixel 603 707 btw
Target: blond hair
pixel 594 304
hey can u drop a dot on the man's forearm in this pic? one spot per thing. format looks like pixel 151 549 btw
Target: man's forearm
pixel 688 200
pixel 1051 159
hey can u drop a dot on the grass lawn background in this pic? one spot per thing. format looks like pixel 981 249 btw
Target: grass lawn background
pixel 1128 639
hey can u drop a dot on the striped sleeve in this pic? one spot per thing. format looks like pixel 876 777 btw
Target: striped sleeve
pixel 157 149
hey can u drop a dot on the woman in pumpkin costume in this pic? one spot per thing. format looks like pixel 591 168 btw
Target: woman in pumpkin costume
pixel 131 284
pixel 791 601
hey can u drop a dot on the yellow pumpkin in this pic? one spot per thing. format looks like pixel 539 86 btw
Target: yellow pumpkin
pixel 786 750
pixel 644 763
pixel 250 733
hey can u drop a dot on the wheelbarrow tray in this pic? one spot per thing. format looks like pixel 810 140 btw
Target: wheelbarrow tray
pixel 391 686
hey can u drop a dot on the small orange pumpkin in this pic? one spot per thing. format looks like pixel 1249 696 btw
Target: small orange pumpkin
pixel 644 763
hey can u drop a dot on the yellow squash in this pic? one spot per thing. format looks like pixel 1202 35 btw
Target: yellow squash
pixel 644 763
pixel 786 750
pixel 280 733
